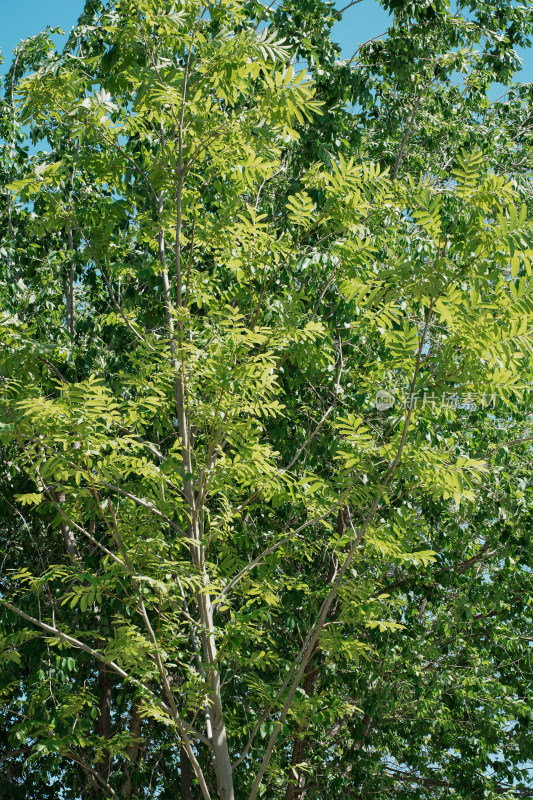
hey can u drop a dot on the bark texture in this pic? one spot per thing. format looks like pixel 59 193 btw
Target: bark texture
pixel 103 722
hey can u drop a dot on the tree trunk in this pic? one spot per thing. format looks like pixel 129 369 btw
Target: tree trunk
pixel 219 739
pixel 103 722
pixel 296 786
pixel 69 286
pixel 186 776
pixel 133 753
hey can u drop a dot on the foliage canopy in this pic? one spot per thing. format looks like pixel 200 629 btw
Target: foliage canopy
pixel 265 412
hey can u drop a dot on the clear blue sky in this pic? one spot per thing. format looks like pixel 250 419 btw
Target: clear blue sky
pixel 23 18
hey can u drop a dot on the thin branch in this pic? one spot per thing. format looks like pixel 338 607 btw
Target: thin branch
pixel 312 637
pixel 227 589
pixel 79 645
pixel 94 774
pixel 309 438
pixel 342 10
pixel 175 713
pixel 407 135
pixel 144 504
pixel 16 753
pixel 113 144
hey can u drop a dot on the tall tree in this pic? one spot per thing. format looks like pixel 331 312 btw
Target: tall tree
pixel 264 414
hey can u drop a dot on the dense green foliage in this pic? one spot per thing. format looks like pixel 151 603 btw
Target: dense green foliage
pixel 265 418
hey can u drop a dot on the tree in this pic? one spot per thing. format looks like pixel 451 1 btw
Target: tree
pixel 265 413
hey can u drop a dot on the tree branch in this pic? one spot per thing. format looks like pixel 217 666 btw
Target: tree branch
pixel 79 645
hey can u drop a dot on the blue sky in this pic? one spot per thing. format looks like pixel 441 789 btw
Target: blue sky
pixel 27 17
